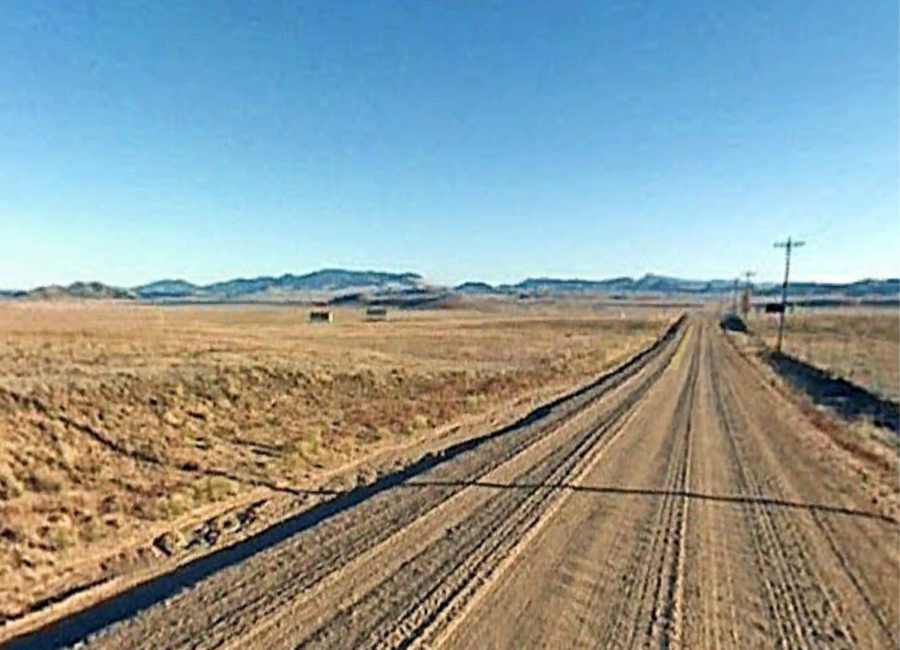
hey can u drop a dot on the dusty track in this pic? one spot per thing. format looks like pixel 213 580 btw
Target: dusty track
pixel 674 503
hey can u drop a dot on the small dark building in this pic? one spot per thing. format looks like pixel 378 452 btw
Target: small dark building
pixel 376 313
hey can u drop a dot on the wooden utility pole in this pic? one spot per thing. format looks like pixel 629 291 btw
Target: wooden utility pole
pixel 748 291
pixel 787 246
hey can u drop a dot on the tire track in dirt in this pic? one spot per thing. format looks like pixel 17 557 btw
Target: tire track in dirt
pixel 576 585
pixel 658 614
pixel 669 591
pixel 723 588
pixel 830 533
pixel 801 607
pixel 802 536
pixel 599 454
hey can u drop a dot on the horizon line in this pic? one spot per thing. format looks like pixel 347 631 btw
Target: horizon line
pixel 424 278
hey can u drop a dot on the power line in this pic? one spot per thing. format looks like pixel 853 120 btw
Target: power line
pixel 821 231
pixel 787 246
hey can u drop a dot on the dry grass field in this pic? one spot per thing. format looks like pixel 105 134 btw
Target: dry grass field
pixel 118 422
pixel 861 345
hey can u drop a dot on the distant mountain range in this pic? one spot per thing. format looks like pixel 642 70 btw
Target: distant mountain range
pixel 348 286
pixel 326 280
pixel 75 290
pixel 660 284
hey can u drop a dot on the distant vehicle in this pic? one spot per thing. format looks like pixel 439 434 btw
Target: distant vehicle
pixel 774 308
pixel 320 316
pixel 732 323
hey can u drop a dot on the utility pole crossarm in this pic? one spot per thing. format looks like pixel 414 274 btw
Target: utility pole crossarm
pixel 789 244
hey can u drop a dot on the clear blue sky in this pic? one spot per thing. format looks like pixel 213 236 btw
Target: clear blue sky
pixel 476 140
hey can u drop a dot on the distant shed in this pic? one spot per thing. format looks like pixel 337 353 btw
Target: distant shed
pixel 320 316
pixel 376 312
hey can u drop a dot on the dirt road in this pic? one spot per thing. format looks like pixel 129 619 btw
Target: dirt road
pixel 677 502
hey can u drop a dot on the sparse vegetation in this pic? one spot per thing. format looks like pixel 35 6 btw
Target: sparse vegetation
pixel 114 419
pixel 860 345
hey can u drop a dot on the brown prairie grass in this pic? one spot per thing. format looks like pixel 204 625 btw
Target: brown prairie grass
pixel 860 345
pixel 114 418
